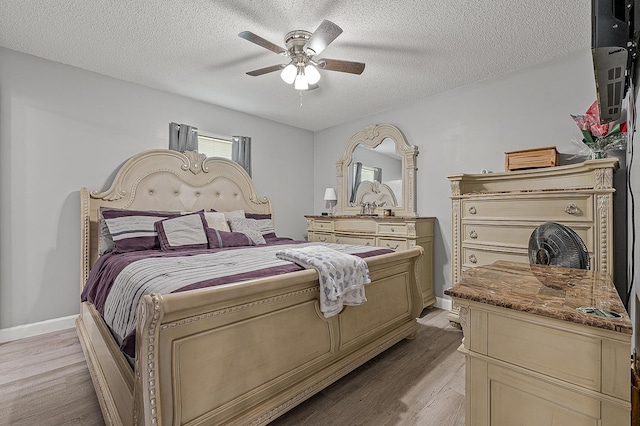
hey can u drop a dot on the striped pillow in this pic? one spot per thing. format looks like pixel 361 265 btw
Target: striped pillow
pixel 222 239
pixel 265 223
pixel 134 230
pixel 183 232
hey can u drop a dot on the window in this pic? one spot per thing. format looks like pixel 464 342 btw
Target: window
pixel 367 174
pixel 213 146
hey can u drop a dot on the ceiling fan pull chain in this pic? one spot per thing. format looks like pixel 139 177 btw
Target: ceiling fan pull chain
pixel 300 98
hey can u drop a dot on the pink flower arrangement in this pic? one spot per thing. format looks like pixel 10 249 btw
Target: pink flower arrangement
pixel 598 137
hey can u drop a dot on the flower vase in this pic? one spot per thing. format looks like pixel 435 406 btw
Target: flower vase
pixel 597 153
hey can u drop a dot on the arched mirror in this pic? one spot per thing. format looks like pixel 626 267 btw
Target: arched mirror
pixel 377 167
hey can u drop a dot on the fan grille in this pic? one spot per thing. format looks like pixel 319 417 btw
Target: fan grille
pixel 554 244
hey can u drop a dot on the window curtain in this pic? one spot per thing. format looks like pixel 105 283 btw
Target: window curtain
pixel 241 151
pixel 183 137
pixel 357 177
pixel 377 174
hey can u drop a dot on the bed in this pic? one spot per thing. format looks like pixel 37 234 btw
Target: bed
pixel 240 353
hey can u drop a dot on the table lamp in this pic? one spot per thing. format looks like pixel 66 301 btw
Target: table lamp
pixel 330 196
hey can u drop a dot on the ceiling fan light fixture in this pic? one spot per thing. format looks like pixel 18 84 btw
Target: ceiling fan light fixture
pixel 303 70
pixel 312 74
pixel 289 73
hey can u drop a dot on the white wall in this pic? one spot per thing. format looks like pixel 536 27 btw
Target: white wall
pixel 62 128
pixel 468 129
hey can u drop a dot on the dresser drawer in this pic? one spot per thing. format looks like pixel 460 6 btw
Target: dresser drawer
pixel 472 257
pixel 322 225
pixel 576 208
pixel 319 237
pixel 392 228
pixel 393 244
pixel 514 235
pixel 544 349
pixel 366 226
pixel 362 240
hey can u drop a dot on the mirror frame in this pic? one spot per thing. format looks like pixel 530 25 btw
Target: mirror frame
pixel 371 137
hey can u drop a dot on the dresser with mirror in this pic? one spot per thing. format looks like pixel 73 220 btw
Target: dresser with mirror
pixel 377 200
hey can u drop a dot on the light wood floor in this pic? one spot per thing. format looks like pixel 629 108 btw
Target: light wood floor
pixel 44 381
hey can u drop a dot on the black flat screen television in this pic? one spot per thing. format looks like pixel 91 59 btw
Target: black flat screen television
pixel 615 26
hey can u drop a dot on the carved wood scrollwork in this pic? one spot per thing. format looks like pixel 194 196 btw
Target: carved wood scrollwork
pixel 463 314
pixel 455 242
pixel 603 178
pixel 603 218
pixel 455 187
pixel 150 315
pixel 371 132
pixel 195 162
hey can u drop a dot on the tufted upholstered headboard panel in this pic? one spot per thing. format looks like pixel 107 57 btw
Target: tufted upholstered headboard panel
pixel 167 180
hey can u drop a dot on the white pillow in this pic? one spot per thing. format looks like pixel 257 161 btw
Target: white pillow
pixel 235 213
pixel 249 227
pixel 217 220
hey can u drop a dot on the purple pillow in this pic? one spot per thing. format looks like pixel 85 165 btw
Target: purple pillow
pixel 222 239
pixel 133 230
pixel 182 232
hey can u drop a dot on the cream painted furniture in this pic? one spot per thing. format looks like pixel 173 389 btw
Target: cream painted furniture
pixel 532 358
pixel 241 353
pixel 393 232
pixel 494 214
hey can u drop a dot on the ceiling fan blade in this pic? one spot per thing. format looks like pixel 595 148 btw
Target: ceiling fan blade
pixel 266 70
pixel 342 66
pixel 323 36
pixel 248 35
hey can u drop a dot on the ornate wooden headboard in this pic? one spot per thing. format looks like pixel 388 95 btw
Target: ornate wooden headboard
pixel 167 180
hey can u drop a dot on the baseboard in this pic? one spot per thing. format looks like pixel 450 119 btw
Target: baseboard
pixel 37 328
pixel 443 303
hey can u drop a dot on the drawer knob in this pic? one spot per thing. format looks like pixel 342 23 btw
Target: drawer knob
pixel 368 244
pixel 393 230
pixel 472 210
pixel 473 234
pixel 322 240
pixel 473 259
pixel 394 247
pixel 337 240
pixel 571 208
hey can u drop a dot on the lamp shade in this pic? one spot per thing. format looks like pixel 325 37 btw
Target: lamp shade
pixel 330 194
pixel 289 73
pixel 313 76
pixel 301 81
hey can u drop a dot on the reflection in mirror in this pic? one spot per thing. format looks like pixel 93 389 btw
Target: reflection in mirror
pixel 375 175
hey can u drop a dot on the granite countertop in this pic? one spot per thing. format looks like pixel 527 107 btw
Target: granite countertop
pixel 545 290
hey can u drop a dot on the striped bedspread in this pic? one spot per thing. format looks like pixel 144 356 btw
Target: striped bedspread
pixel 117 294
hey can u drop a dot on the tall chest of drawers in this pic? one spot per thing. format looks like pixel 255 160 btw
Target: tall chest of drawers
pixel 494 214
pixel 393 232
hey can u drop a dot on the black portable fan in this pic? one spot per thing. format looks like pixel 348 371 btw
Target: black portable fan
pixel 554 244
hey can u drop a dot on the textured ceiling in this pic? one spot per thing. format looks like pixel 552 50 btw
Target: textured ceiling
pixel 412 48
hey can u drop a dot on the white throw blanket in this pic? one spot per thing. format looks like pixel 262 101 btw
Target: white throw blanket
pixel 342 276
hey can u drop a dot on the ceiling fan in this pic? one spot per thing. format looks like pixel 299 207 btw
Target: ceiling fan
pixel 301 48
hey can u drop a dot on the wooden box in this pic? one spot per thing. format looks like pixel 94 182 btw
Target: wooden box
pixel 531 158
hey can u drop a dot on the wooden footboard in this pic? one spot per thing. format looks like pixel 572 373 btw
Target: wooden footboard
pixel 246 353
